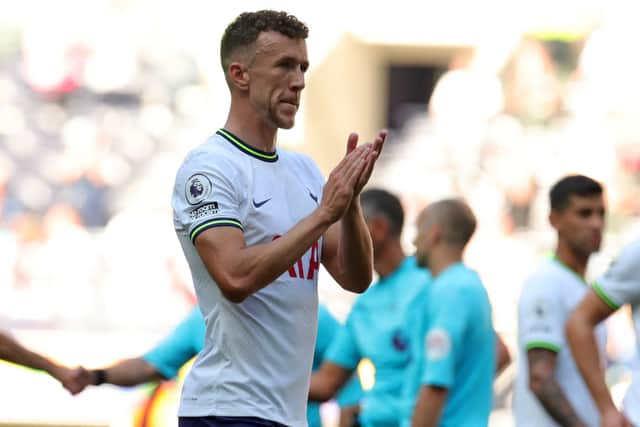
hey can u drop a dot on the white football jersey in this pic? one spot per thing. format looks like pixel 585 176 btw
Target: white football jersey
pixel 621 285
pixel 548 297
pixel 258 353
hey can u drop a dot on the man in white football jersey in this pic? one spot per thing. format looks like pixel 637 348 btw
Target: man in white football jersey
pixel 255 222
pixel 620 285
pixel 549 390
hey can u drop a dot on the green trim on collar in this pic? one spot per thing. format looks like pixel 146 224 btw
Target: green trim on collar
pixel 246 148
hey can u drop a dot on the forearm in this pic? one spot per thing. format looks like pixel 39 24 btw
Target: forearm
pixel 12 351
pixel 326 381
pixel 129 373
pixel 585 352
pixel 242 271
pixel 429 406
pixel 555 402
pixel 355 250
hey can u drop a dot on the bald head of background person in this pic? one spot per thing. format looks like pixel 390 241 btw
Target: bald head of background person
pixel 453 359
pixel 374 328
pixel 444 229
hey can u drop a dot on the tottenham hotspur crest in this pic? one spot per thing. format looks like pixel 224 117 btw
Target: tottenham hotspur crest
pixel 197 189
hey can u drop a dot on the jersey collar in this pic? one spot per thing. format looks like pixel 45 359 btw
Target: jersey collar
pixel 246 148
pixel 569 269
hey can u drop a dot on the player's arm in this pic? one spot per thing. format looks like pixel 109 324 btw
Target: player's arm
pixel 240 270
pixel 14 352
pixel 347 250
pixel 127 373
pixel 327 381
pixel 503 356
pixel 591 311
pixel 542 382
pixel 429 406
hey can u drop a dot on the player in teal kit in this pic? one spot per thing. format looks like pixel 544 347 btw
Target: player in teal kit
pixel 374 328
pixel 450 380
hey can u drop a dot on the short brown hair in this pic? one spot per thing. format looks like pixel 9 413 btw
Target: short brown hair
pixel 245 29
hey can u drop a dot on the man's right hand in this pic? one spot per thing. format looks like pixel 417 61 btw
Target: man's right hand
pixel 340 188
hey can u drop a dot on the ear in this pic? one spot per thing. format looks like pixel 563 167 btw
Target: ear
pixel 239 75
pixel 435 233
pixel 379 228
pixel 554 219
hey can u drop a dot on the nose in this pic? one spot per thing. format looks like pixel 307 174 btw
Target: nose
pixel 597 221
pixel 297 81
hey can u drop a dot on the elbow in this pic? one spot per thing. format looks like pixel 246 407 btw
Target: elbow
pixel 235 296
pixel 361 282
pixel 537 383
pixel 234 291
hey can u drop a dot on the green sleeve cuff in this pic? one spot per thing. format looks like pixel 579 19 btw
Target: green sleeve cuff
pixel 604 297
pixel 544 345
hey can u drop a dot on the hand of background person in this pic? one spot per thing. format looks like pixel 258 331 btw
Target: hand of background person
pixel 339 189
pixel 614 418
pixel 78 380
pixel 66 376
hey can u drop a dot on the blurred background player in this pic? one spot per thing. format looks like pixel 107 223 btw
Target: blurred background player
pixel 549 390
pixel 374 328
pixel 453 346
pixel 620 285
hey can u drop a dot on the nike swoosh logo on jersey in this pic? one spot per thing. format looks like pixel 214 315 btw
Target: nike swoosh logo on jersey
pixel 258 204
pixel 313 196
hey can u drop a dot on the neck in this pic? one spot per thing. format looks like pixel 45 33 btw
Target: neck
pixel 442 258
pixel 243 122
pixel 389 258
pixel 575 261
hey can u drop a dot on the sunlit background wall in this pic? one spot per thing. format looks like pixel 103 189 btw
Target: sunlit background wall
pixel 101 99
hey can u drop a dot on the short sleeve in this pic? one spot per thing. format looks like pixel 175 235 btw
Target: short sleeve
pixel 541 323
pixel 444 336
pixel 621 283
pixel 207 194
pixel 343 350
pixel 184 342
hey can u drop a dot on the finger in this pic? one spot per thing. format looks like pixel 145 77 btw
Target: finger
pixel 366 172
pixel 347 164
pixel 352 151
pixel 354 173
pixel 352 142
pixel 378 144
pixel 358 155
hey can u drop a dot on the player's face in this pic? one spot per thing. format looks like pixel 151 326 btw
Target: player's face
pixel 276 78
pixel 581 223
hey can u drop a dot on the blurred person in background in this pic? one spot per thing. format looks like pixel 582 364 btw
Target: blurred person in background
pixel 453 346
pixel 14 352
pixel 620 285
pixel 164 361
pixel 374 328
pixel 549 390
pixel 254 222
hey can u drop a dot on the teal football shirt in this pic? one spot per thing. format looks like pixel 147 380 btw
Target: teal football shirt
pixel 375 330
pixel 453 346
